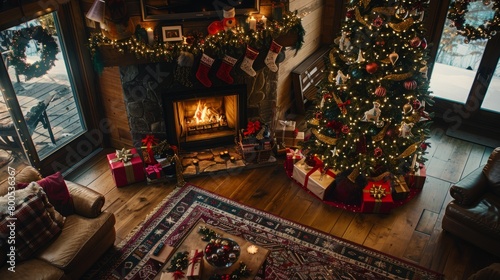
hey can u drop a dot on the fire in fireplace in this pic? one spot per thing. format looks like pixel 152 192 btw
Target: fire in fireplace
pixel 205 118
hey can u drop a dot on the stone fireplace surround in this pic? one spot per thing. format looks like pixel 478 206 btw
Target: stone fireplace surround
pixel 146 85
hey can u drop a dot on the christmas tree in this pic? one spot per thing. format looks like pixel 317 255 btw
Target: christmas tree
pixel 369 119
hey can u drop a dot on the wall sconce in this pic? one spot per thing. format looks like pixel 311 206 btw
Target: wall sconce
pixel 96 12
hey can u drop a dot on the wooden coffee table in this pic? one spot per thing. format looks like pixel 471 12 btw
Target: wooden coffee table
pixel 193 241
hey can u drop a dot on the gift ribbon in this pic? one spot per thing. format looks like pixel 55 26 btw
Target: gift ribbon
pixel 318 166
pixel 252 127
pixel 196 258
pixel 178 274
pixel 149 141
pixel 156 168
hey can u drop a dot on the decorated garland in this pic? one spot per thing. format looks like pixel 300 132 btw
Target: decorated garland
pixel 48 54
pixel 457 13
pixel 224 42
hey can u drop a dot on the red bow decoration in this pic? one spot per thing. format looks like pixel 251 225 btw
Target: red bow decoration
pixel 252 127
pixel 343 105
pixel 149 141
pixel 197 257
pixel 154 168
pixel 178 274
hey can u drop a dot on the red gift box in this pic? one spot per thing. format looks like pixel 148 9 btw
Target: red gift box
pixel 154 171
pixel 126 167
pixel 377 198
pixel 416 179
pixel 195 265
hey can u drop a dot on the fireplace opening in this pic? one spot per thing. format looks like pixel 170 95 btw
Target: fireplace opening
pixel 205 118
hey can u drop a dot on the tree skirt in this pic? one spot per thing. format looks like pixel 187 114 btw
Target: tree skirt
pixel 296 251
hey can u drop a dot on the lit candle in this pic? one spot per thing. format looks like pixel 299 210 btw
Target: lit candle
pixel 195 162
pixel 264 21
pixel 226 153
pixel 232 159
pixel 252 23
pixel 151 37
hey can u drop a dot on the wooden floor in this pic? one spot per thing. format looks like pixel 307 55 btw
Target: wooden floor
pixel 411 232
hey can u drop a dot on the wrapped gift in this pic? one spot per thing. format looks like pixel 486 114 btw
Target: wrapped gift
pixel 294 141
pixel 177 275
pixel 285 126
pixel 126 167
pixel 377 197
pixel 154 171
pixel 195 264
pixel 416 179
pixel 315 179
pixel 292 157
pixel 400 189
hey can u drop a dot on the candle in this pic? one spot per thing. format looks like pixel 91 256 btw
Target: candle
pixel 151 37
pixel 221 154
pixel 195 162
pixel 252 23
pixel 232 159
pixel 226 153
pixel 264 21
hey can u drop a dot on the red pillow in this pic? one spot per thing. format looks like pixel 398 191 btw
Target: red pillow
pixel 57 193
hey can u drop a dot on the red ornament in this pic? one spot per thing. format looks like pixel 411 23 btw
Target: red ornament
pixel 415 42
pixel 416 104
pixel 350 13
pixel 377 152
pixel 327 96
pixel 345 129
pixel 410 85
pixel 371 67
pixel 319 115
pixel 380 91
pixel 377 22
pixel 424 44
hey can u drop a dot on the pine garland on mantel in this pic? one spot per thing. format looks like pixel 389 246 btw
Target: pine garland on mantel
pixel 225 42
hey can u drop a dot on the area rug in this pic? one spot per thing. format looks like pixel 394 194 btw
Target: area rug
pixel 296 251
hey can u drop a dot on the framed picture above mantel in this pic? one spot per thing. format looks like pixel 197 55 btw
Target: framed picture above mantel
pixel 156 10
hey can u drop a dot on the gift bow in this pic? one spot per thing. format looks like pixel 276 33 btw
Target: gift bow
pixel 178 274
pixel 123 155
pixel 149 141
pixel 197 257
pixel 154 168
pixel 252 127
pixel 342 106
pixel 377 192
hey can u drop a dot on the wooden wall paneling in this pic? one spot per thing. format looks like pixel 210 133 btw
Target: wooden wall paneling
pixel 114 107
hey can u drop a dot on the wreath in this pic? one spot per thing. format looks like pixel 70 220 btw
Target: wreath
pixel 457 12
pixel 48 54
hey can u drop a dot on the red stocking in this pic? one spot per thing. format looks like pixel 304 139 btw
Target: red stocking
pixel 225 68
pixel 202 73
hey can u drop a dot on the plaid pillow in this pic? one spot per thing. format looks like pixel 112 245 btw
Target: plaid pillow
pixel 33 224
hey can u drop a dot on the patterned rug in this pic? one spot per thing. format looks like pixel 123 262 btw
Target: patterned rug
pixel 297 252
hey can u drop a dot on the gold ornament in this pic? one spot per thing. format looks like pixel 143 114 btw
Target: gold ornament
pixel 402 26
pixel 398 77
pixel 323 138
pixel 393 57
pixel 381 134
pixel 409 151
pixel 360 18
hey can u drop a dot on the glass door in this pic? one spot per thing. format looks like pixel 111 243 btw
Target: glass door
pixel 464 71
pixel 39 93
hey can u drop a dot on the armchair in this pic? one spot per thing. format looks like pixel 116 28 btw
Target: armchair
pixel 474 214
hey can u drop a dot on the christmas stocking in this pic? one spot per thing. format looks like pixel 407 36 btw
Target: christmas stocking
pixel 250 56
pixel 225 68
pixel 183 70
pixel 202 73
pixel 270 60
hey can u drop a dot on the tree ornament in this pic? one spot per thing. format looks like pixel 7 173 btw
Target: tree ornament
pixel 457 12
pixel 423 44
pixel 401 12
pixel 416 104
pixel 360 59
pixel 373 115
pixel 345 129
pixel 377 152
pixel 356 73
pixel 393 57
pixel 380 91
pixel 48 54
pixel 350 14
pixel 407 109
pixel 405 129
pixel 319 116
pixel 341 78
pixel 424 71
pixel 371 67
pixel 415 42
pixel 410 85
pixel 378 21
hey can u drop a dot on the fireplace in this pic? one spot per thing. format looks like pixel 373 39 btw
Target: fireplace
pixel 204 118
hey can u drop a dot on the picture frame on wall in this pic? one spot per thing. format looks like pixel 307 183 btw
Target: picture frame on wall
pixel 171 33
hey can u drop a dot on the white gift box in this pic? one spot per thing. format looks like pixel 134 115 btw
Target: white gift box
pixel 311 178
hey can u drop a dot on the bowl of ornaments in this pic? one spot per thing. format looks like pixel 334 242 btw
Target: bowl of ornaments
pixel 222 252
